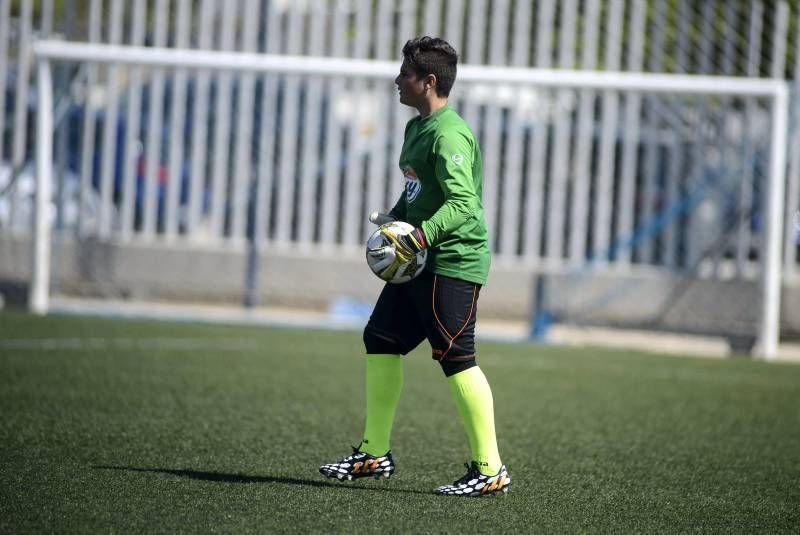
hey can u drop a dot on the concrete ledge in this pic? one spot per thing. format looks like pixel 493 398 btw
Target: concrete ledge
pixel 642 297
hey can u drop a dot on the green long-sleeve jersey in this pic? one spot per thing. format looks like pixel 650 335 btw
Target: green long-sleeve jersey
pixel 441 162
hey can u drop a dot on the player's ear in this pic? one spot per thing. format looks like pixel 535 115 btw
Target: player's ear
pixel 430 82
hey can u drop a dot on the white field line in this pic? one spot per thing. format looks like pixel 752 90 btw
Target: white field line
pixel 128 344
pixel 193 313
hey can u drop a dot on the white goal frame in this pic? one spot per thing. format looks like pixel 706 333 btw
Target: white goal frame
pixel 49 51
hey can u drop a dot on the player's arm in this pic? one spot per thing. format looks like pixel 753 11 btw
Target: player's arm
pixel 399 210
pixel 453 168
pixel 406 245
pixel 454 155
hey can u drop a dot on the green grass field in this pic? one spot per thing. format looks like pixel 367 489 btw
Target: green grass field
pixel 128 426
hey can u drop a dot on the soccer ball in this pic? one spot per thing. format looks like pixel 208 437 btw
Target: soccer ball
pixel 380 255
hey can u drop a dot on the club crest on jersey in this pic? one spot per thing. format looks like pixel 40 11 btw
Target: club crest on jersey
pixel 413 185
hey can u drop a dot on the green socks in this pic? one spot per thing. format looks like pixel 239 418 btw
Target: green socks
pixel 384 382
pixel 472 395
pixel 473 398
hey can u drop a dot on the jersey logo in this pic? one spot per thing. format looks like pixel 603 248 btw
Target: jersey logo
pixel 413 185
pixel 457 159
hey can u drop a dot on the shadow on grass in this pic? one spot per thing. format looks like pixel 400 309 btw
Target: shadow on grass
pixel 242 478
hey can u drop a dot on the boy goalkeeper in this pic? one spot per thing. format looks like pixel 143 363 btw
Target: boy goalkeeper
pixel 441 162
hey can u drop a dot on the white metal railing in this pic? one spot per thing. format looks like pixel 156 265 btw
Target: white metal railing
pixel 662 40
pixel 361 69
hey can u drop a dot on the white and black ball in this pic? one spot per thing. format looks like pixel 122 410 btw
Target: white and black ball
pixel 381 254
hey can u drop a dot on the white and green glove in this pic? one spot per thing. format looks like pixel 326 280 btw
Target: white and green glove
pixel 379 218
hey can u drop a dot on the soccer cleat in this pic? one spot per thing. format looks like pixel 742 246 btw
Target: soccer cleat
pixel 476 484
pixel 358 465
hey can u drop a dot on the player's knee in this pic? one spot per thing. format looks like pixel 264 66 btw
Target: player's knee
pixel 452 367
pixel 375 342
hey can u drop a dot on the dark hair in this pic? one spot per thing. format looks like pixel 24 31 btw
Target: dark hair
pixel 431 55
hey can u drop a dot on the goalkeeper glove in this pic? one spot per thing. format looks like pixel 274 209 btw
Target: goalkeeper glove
pixel 414 241
pixel 406 246
pixel 379 218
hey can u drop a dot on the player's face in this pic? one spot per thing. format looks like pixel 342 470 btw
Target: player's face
pixel 410 87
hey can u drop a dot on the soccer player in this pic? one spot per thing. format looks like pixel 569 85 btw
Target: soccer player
pixel 441 163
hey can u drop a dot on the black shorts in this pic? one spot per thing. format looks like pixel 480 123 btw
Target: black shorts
pixel 441 309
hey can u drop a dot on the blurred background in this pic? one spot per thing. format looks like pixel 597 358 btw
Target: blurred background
pixel 205 194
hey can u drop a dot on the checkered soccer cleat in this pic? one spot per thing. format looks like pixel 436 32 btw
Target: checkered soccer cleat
pixel 358 465
pixel 476 484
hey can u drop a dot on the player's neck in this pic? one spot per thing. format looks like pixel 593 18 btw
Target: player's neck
pixel 431 105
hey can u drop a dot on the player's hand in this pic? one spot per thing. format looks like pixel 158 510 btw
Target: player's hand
pixel 379 218
pixel 406 246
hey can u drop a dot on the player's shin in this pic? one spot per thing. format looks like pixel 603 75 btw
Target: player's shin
pixel 384 383
pixel 473 397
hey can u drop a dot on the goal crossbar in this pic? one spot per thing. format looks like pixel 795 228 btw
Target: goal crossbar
pixel 377 69
pixel 47 51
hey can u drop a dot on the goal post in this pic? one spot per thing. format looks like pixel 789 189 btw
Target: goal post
pixel 40 272
pixel 775 91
